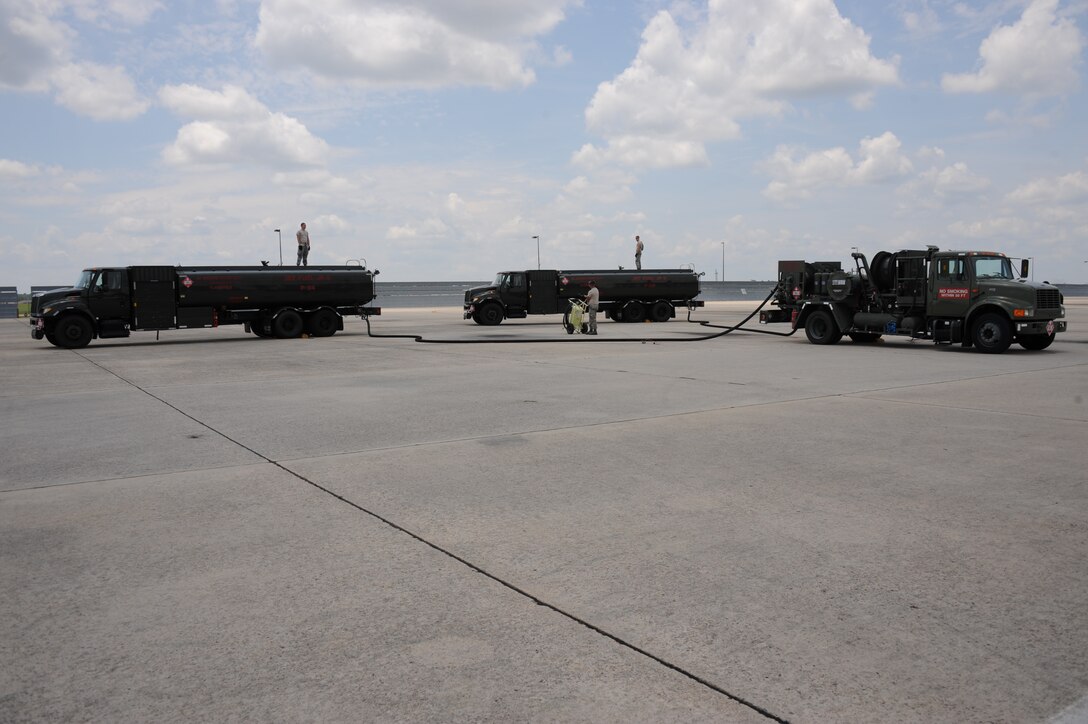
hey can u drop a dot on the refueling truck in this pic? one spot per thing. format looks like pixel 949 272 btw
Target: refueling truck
pixel 283 302
pixel 970 298
pixel 626 296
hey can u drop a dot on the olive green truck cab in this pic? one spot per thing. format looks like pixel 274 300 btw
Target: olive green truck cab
pixel 970 298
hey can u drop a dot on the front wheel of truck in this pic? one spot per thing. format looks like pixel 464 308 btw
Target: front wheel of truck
pixel 73 332
pixel 490 314
pixel 992 333
pixel 1035 342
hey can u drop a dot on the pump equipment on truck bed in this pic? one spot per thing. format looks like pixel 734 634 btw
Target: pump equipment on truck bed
pixel 971 298
pixel 279 302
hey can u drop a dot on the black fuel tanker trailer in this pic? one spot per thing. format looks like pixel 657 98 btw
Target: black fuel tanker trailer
pixel 282 302
pixel 626 295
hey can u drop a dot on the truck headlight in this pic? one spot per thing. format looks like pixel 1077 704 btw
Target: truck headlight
pixel 47 310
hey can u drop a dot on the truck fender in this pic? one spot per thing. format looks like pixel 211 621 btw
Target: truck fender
pixel 55 316
pixel 843 316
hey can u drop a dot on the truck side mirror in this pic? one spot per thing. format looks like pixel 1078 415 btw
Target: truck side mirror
pixel 1023 268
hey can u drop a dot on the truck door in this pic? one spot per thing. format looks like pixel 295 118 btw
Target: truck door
pixel 543 292
pixel 950 291
pixel 108 296
pixel 514 291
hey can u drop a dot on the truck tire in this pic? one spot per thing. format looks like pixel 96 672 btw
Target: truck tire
pixel 490 314
pixel 73 332
pixel 991 333
pixel 634 312
pixel 322 323
pixel 52 339
pixel 1035 342
pixel 863 337
pixel 287 324
pixel 820 328
pixel 661 311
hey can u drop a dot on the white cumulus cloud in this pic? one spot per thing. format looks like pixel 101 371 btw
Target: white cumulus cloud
pixel 415 43
pixel 97 91
pixel 231 126
pixel 1070 188
pixel 691 85
pixel 37 55
pixel 1036 56
pixel 797 176
pixel 16 169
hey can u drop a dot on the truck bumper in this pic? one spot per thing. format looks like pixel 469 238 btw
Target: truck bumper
pixel 1048 327
pixel 469 311
pixel 37 328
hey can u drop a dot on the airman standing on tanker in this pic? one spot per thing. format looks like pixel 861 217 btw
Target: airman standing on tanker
pixel 303 237
pixel 638 252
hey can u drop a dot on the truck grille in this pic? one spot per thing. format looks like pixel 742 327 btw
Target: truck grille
pixel 1047 299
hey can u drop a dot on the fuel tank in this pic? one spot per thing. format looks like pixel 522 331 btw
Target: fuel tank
pixel 254 287
pixel 645 285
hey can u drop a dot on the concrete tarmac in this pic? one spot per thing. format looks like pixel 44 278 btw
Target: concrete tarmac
pixel 218 527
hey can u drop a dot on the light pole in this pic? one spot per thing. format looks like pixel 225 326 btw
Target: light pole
pixel 723 261
pixel 281 245
pixel 537 252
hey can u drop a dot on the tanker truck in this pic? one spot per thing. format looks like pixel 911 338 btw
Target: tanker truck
pixel 970 298
pixel 283 302
pixel 626 296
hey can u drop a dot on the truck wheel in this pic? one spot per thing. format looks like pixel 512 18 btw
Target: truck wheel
pixel 287 324
pixel 634 312
pixel 490 314
pixel 820 328
pixel 322 323
pixel 52 339
pixel 992 333
pixel 661 311
pixel 1035 342
pixel 863 337
pixel 73 332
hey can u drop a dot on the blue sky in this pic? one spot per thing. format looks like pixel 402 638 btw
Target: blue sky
pixel 436 138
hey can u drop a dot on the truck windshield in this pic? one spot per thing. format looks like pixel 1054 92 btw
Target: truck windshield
pixel 498 279
pixel 993 267
pixel 85 279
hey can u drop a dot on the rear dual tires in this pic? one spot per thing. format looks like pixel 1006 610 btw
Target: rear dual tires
pixel 660 311
pixel 323 323
pixel 821 328
pixel 290 324
pixel 287 324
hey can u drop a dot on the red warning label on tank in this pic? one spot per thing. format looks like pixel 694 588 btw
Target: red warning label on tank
pixel 951 293
pixel 186 282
